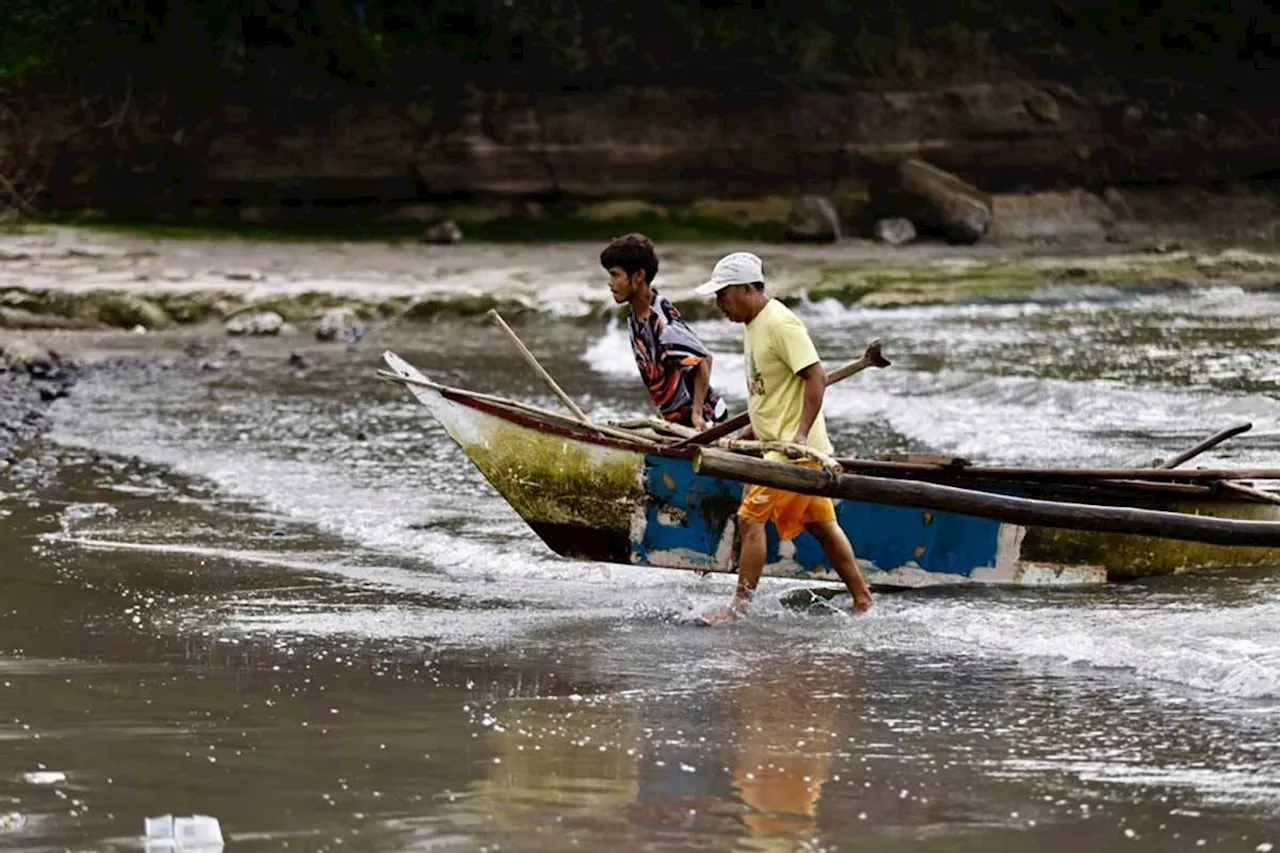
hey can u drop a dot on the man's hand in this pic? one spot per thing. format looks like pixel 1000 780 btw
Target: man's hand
pixel 699 422
pixel 802 439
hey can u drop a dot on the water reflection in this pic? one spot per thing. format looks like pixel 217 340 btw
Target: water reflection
pixel 747 760
pixel 784 756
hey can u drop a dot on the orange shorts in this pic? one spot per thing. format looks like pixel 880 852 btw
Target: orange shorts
pixel 789 511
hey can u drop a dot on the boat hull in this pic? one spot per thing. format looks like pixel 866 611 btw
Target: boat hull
pixel 596 498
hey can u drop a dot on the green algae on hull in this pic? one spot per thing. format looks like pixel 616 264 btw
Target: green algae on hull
pixel 550 480
pixel 1127 557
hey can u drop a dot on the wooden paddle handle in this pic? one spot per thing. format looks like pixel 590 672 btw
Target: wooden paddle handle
pixel 871 358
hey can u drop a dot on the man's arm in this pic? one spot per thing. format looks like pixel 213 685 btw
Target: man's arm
pixel 701 384
pixel 815 386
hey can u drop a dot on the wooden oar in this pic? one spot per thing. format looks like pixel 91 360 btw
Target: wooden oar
pixel 871 358
pixel 1023 511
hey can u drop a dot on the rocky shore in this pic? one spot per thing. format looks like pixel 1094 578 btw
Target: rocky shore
pixel 31 377
pixel 55 278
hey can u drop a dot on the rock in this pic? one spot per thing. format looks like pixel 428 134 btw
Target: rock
pixel 49 393
pixel 22 354
pixel 1043 106
pixel 895 231
pixel 443 232
pixel 243 275
pixel 1117 202
pixel 255 323
pixel 1040 216
pixel 934 200
pixel 680 143
pixel 340 324
pixel 125 312
pixel 43 366
pixel 298 360
pixel 813 218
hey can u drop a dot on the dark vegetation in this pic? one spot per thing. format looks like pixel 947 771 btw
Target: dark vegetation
pixel 195 48
pixel 143 80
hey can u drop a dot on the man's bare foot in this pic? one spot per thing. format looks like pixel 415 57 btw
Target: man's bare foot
pixel 861 603
pixel 722 615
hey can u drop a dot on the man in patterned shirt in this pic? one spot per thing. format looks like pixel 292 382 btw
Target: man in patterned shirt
pixel 675 366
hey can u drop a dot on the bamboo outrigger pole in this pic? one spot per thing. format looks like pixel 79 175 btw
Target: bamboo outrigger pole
pixel 1014 510
pixel 538 368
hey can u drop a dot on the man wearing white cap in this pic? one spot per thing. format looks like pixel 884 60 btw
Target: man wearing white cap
pixel 785 386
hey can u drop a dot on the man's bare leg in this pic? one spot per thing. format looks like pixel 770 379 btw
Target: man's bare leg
pixel 838 550
pixel 751 557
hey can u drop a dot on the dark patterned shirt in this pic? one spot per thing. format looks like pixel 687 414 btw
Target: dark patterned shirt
pixel 668 353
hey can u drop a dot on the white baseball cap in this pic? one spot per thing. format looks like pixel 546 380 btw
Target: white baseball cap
pixel 737 268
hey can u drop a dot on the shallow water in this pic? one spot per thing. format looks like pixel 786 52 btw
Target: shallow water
pixel 281 597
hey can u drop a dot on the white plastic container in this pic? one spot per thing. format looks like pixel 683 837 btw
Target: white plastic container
pixel 195 832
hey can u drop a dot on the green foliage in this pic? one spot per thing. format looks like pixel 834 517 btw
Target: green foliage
pixel 31 32
pixel 442 45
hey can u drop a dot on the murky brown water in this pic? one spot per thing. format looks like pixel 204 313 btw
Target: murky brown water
pixel 281 598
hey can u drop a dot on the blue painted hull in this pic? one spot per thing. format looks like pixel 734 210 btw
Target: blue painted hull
pixel 686 512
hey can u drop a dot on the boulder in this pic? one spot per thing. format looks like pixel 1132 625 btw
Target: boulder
pixel 1043 106
pixel 340 324
pixel 125 311
pixel 895 231
pixel 21 354
pixel 255 323
pixel 934 200
pixel 443 232
pixel 1050 216
pixel 813 218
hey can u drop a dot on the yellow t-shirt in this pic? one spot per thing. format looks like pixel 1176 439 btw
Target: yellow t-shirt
pixel 776 345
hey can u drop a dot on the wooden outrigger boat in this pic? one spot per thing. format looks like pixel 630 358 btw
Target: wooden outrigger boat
pixel 633 493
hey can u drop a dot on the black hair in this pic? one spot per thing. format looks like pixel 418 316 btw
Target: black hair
pixel 632 252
